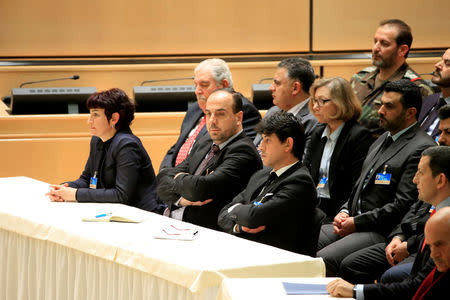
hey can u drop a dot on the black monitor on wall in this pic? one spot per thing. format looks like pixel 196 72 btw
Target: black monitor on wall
pixel 262 96
pixel 163 98
pixel 60 100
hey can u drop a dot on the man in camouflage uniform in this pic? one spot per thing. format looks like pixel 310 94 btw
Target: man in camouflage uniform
pixel 392 42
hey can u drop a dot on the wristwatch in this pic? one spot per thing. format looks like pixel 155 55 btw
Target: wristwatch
pixel 354 292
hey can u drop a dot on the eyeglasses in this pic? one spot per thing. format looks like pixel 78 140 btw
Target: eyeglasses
pixel 320 102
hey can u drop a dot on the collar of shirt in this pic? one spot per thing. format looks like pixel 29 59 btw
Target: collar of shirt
pixel 295 109
pixel 398 134
pixel 398 74
pixel 221 146
pixel 443 204
pixel 334 136
pixel 280 171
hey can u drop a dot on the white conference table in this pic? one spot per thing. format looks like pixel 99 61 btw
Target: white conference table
pixel 48 252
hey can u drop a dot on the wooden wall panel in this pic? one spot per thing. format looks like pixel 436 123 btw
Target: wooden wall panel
pixel 55 148
pixel 350 25
pixel 151 27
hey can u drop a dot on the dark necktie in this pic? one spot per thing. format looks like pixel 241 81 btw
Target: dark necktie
pixel 386 143
pixel 272 177
pixel 214 150
pixel 432 115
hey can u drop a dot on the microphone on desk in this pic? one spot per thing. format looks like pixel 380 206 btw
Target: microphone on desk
pixel 264 79
pixel 170 79
pixel 74 77
pixel 431 73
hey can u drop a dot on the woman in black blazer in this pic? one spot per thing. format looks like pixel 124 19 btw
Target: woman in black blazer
pixel 338 145
pixel 118 169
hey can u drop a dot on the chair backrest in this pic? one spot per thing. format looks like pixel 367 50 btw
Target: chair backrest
pixel 313 237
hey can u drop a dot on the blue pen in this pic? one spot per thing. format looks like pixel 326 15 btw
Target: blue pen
pixel 102 215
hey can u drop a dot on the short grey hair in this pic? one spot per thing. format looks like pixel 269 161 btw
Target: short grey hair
pixel 219 70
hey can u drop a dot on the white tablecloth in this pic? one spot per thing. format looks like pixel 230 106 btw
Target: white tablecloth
pixel 48 252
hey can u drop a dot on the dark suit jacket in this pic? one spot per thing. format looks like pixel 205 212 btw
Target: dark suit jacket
pixel 287 213
pixel 383 206
pixel 427 106
pixel 405 289
pixel 126 174
pixel 225 176
pixel 194 113
pixel 307 119
pixel 412 225
pixel 345 164
pixel 440 289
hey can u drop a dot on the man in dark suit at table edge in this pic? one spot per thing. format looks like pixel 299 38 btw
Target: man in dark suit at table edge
pixel 432 179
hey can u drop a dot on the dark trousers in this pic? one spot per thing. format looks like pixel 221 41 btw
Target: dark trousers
pixel 369 264
pixel 333 249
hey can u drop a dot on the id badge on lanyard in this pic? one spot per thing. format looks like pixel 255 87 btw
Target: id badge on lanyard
pixel 93 181
pixel 383 178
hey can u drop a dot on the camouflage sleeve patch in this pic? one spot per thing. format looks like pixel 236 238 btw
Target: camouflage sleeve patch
pixel 411 75
pixel 425 89
pixel 361 74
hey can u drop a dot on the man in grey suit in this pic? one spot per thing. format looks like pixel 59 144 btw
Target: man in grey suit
pixel 290 92
pixel 277 206
pixel 384 191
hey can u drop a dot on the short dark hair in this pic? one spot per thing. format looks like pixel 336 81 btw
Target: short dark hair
pixel 299 69
pixel 404 35
pixel 444 112
pixel 284 125
pixel 237 98
pixel 114 100
pixel 411 95
pixel 439 160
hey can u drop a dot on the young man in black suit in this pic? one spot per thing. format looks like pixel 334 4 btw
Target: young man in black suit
pixel 217 169
pixel 277 206
pixel 384 191
pixel 209 75
pixel 432 179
